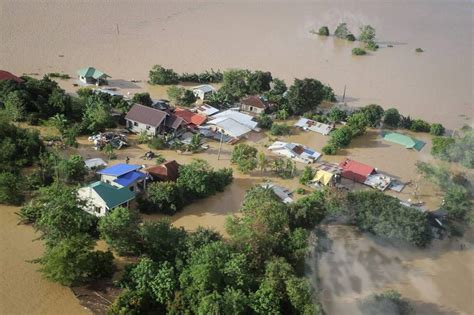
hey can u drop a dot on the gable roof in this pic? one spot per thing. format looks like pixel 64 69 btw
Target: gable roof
pixel 205 88
pixel 241 118
pixel 146 115
pixel 129 178
pixel 174 122
pixel 5 75
pixel 313 125
pixel 111 195
pixel 404 140
pixel 91 72
pixel 168 171
pixel 207 110
pixel 231 127
pixel 255 101
pixel 119 169
pixel 190 117
pixel 355 170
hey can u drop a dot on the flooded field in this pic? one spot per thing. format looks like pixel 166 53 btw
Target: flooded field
pixel 438 280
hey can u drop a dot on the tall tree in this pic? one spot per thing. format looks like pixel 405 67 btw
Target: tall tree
pixel 305 95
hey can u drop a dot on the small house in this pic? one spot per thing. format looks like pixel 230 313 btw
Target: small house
pixel 5 75
pixel 192 119
pixel 91 75
pixel 142 118
pixel 203 91
pixel 309 124
pixel 327 174
pixel 166 172
pixel 356 171
pixel 230 127
pixel 124 175
pixel 206 110
pixel 404 140
pixel 101 197
pixel 254 104
pixel 239 117
pixel 295 151
pixel 283 193
pixel 95 163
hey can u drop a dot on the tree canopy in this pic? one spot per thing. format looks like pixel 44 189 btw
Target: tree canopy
pixel 305 95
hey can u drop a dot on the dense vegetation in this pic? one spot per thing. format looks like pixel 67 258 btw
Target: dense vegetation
pixel 459 149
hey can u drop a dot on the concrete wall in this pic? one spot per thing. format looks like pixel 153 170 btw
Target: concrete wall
pixel 251 109
pixel 138 127
pixel 94 202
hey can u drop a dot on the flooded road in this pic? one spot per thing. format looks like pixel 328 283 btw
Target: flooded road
pixel 437 280
pixel 22 288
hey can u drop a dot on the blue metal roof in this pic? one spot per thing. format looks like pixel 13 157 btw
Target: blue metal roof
pixel 129 178
pixel 119 169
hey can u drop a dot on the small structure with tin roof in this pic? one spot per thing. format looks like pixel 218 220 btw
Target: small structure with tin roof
pixel 309 124
pixel 203 91
pixel 327 174
pixel 283 193
pixel 295 151
pixel 124 175
pixel 91 75
pixel 207 110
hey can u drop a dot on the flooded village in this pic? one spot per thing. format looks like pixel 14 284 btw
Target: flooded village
pixel 161 128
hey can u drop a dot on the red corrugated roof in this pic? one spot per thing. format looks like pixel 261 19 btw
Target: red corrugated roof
pixel 190 117
pixel 255 101
pixel 5 75
pixel 355 170
pixel 168 171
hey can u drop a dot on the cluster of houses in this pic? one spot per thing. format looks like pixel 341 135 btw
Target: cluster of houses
pixel 119 184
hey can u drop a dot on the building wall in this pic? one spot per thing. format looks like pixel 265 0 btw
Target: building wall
pixel 251 109
pixel 95 204
pixel 138 127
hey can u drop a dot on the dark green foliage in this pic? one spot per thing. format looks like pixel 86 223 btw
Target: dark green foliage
pixel 142 98
pixel 341 31
pixel 73 261
pixel 373 114
pixel 10 188
pixel 119 229
pixel 157 143
pixel 328 94
pixel 305 95
pixel 391 117
pixel 388 302
pixel 463 149
pixel 244 156
pixel 384 216
pixel 437 129
pixel 420 125
pixel 358 123
pixel 259 82
pixel 238 83
pixel 220 99
pixel 367 34
pixel 58 75
pixel 358 51
pixel 457 201
pixel 337 115
pixel 160 75
pixel 405 122
pixel 341 137
pixel 419 50
pixel 264 121
pixel 20 147
pixel 97 114
pixel 350 37
pixel 162 197
pixel 284 168
pixel 323 31
pixel 329 149
pixel 308 211
pixel 441 147
pixel 72 170
pixel 280 130
pixel 181 96
pixel 372 46
pixel 307 175
pixel 204 77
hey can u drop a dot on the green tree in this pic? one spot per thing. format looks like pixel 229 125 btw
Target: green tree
pixel 457 202
pixel 10 188
pixel 14 106
pixel 109 151
pixel 342 31
pixel 72 261
pixel 357 123
pixel 336 114
pixel 264 121
pixel 235 83
pixel 307 175
pixel 280 130
pixel 163 197
pixel 341 137
pixel 308 211
pixel 391 117
pixel 97 115
pixel 329 149
pixel 323 31
pixel 358 51
pixel 305 95
pixel 244 156
pixel 220 99
pixel 259 82
pixel 420 125
pixel 72 170
pixel 441 147
pixel 142 98
pixel 119 229
pixel 262 162
pixel 437 129
pixel 160 75
pixel 373 114
pixel 367 34
pixel 181 96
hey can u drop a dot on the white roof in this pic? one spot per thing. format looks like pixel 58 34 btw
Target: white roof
pixel 231 127
pixel 313 125
pixel 207 110
pixel 295 151
pixel 241 118
pixel 95 162
pixel 281 192
pixel 205 88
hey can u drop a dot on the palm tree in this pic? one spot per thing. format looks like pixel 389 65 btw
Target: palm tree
pixel 109 150
pixel 262 162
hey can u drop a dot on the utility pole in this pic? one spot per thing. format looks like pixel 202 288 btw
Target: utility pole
pixel 344 94
pixel 220 146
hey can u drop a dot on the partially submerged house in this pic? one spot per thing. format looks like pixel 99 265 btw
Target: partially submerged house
pixel 283 193
pixel 254 104
pixel 309 124
pixel 203 91
pixel 91 75
pixel 241 118
pixel 95 163
pixel 166 172
pixel 141 118
pixel 102 197
pixel 404 140
pixel 193 120
pixel 364 174
pixel 295 151
pixel 327 174
pixel 124 175
pixel 230 127
pixel 5 75
pixel 206 110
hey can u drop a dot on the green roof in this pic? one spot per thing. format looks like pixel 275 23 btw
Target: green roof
pixel 92 72
pixel 406 141
pixel 112 196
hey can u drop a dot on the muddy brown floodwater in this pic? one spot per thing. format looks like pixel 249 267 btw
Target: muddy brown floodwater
pixel 437 280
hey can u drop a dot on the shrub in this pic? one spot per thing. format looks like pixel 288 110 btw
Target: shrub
pixel 419 50
pixel 341 31
pixel 280 130
pixel 157 143
pixel 367 34
pixel 323 31
pixel 264 121
pixel 244 156
pixel 372 46
pixel 10 189
pixel 420 125
pixel 437 129
pixel 336 114
pixel 358 51
pixel 160 75
pixel 341 137
pixel 162 197
pixel 307 175
pixel 142 98
pixel 441 147
pixel 329 149
pixel 350 37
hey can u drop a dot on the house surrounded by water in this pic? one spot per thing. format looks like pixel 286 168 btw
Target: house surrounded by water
pixel 91 75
